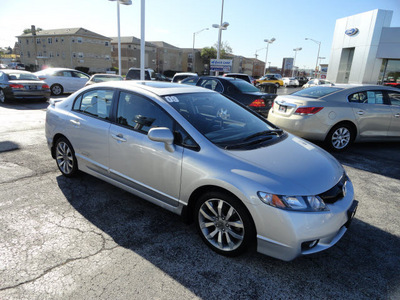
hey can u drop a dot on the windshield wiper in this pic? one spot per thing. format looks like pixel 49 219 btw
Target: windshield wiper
pixel 250 143
pixel 266 132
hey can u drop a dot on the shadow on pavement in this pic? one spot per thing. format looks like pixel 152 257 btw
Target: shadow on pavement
pixel 363 265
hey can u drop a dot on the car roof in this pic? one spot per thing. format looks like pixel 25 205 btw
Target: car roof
pixel 159 88
pixel 186 73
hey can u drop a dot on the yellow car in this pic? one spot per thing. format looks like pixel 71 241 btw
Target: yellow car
pixel 271 78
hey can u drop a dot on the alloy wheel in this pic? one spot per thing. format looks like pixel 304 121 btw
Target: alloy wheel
pixel 65 158
pixel 341 138
pixel 221 225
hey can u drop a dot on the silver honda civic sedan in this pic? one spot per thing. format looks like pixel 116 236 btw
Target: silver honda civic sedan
pixel 192 151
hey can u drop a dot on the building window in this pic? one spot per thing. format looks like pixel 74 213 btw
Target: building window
pixel 62 40
pixel 51 54
pixel 58 54
pixel 27 41
pixel 73 54
pixel 73 40
pixel 79 40
pixel 38 41
pixel 107 57
pixel 28 54
pixel 390 72
pixel 49 40
pixel 56 40
pixel 80 54
pixel 107 44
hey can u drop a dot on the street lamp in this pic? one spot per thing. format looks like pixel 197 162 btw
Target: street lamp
pixel 193 54
pixel 124 2
pixel 294 61
pixel 221 26
pixel 266 53
pixel 319 47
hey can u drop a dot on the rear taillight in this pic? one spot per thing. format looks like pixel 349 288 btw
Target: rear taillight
pixel 307 110
pixel 45 87
pixel 16 86
pixel 42 78
pixel 258 103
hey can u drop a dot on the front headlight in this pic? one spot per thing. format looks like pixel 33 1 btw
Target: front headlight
pixel 296 203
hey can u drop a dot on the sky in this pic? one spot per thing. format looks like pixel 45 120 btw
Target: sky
pixel 175 22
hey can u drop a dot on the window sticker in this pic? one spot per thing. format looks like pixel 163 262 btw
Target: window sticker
pixel 171 99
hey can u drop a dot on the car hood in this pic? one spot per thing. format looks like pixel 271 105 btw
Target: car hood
pixel 290 167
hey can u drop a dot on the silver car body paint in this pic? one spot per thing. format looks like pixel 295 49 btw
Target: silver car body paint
pixel 290 167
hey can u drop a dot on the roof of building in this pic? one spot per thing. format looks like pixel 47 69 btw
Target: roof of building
pixel 66 31
pixel 130 40
pixel 162 44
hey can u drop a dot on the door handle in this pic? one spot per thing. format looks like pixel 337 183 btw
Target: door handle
pixel 75 122
pixel 360 113
pixel 119 137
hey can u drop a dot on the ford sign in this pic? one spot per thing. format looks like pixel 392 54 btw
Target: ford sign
pixel 351 31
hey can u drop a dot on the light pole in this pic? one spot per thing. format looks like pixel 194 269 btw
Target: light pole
pixel 221 26
pixel 319 47
pixel 294 61
pixel 124 2
pixel 193 54
pixel 266 53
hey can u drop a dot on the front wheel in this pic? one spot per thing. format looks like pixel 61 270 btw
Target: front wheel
pixel 339 137
pixel 224 224
pixel 65 158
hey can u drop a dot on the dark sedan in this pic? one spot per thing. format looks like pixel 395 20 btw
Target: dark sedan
pixel 16 84
pixel 236 89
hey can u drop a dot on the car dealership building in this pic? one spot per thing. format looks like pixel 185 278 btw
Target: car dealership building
pixel 365 49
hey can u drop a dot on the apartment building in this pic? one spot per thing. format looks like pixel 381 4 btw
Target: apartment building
pixel 66 48
pixel 130 53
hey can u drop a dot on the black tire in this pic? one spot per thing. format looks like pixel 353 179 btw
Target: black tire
pixel 224 223
pixel 3 98
pixel 65 158
pixel 56 89
pixel 340 137
pixel 277 85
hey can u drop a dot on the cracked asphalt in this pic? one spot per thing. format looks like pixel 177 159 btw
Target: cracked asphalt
pixel 82 238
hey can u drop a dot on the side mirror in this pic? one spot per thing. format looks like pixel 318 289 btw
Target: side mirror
pixel 164 135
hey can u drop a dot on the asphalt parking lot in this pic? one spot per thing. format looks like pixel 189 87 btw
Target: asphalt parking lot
pixel 82 238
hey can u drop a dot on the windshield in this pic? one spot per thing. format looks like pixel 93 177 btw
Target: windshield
pixel 22 76
pixel 244 86
pixel 316 91
pixel 222 121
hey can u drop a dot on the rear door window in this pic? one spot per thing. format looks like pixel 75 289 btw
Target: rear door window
pixel 96 103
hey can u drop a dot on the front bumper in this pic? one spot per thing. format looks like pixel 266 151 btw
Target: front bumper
pixel 288 234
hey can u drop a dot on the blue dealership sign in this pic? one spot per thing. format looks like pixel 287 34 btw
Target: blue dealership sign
pixel 351 31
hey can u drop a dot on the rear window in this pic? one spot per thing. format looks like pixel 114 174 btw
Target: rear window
pixel 316 92
pixel 22 76
pixel 244 86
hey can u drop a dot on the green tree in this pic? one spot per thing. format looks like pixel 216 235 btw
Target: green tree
pixel 29 30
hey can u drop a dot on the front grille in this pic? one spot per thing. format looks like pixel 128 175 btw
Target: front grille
pixel 335 193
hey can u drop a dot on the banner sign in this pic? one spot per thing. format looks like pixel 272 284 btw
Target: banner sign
pixel 221 65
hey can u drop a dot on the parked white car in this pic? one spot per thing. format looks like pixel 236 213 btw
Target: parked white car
pixel 63 80
pixel 290 81
pixel 315 82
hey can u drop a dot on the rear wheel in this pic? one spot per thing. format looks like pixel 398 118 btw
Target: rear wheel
pixel 340 137
pixel 56 89
pixel 2 97
pixel 65 158
pixel 224 223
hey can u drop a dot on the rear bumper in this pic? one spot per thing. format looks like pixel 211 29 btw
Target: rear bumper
pixel 20 95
